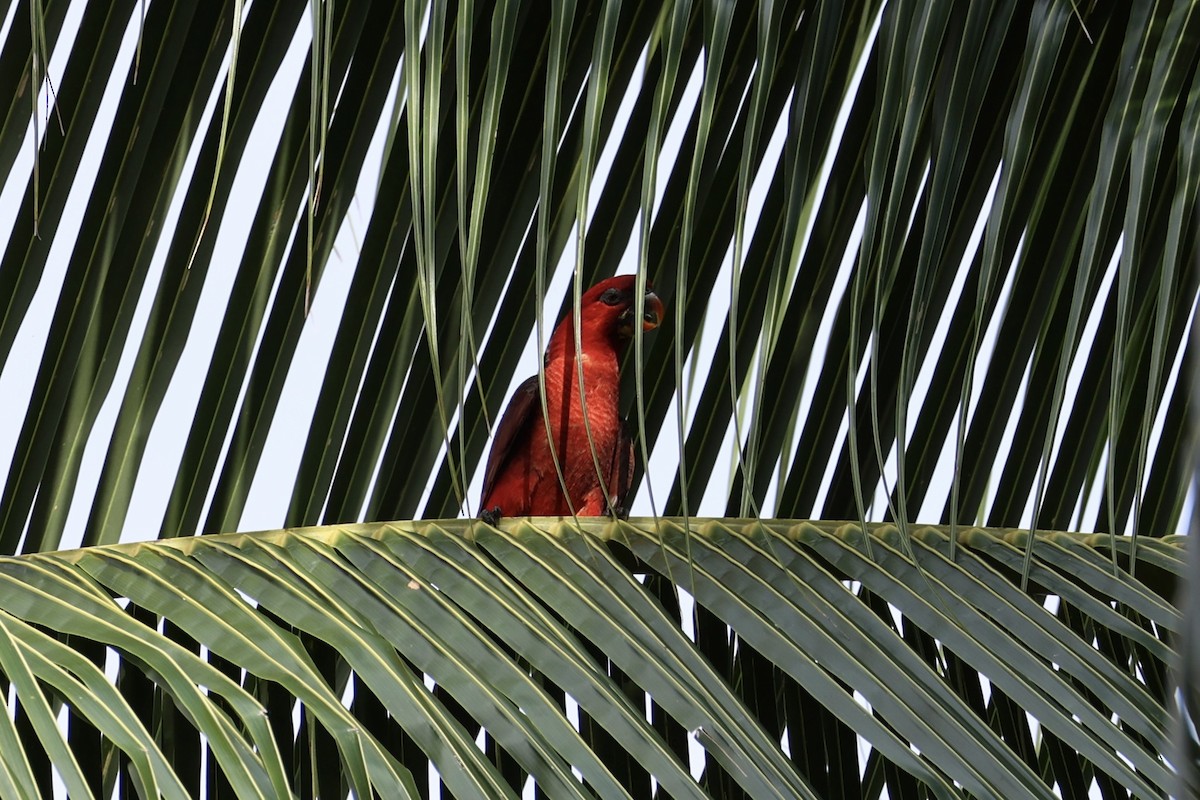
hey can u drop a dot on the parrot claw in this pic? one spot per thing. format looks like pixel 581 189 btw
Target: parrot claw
pixel 619 511
pixel 491 515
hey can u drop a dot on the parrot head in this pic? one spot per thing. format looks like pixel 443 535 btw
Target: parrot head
pixel 609 307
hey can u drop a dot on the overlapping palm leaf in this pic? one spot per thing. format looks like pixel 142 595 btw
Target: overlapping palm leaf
pixel 922 261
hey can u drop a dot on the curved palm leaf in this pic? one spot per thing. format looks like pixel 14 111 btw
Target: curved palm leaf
pixel 926 260
pixel 518 626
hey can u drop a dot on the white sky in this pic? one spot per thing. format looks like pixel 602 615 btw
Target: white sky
pixel 271 487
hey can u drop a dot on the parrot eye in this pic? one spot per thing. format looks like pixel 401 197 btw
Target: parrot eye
pixel 611 297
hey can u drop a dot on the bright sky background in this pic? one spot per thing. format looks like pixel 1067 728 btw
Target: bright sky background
pixel 271 488
pixel 270 492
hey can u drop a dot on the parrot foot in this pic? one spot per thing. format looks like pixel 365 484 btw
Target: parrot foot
pixel 619 511
pixel 491 515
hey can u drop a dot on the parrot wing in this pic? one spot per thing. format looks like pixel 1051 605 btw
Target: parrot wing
pixel 621 474
pixel 522 408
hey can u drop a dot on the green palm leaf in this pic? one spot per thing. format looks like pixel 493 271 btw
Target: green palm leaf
pixel 274 265
pixel 510 623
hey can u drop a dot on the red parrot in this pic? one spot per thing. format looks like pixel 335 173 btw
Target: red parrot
pixel 520 479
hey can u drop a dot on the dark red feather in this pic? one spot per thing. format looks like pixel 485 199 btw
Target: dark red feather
pixel 521 410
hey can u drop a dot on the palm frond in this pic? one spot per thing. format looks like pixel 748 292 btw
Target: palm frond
pixel 524 627
pixel 966 233
pixel 925 261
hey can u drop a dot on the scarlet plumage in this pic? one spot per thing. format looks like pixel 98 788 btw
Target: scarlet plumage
pixel 520 478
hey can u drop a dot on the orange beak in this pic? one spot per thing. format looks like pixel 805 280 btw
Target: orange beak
pixel 653 312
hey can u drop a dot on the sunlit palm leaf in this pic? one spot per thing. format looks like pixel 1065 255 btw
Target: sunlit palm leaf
pixel 506 622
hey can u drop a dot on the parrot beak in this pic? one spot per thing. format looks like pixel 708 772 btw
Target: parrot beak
pixel 653 313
